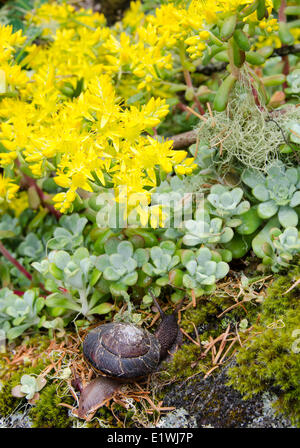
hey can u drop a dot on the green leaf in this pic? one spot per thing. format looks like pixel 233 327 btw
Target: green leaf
pixel 130 279
pixel 103 308
pixel 287 216
pixel 61 259
pixel 15 332
pixel 6 234
pixel 267 209
pixel 264 237
pixel 58 300
pixel 250 222
pixel 239 245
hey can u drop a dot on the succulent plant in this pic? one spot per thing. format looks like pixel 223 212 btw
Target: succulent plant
pixel 31 247
pixel 204 268
pixel 204 230
pixel 119 265
pixel 30 387
pixel 9 226
pixel 227 204
pixel 205 156
pixel 162 260
pixel 17 314
pixel 175 200
pixel 278 192
pixel 72 278
pixel 284 246
pixel 293 80
pixel 68 235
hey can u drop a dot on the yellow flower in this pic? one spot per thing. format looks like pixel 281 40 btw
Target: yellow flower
pixel 20 203
pixel 134 16
pixel 8 189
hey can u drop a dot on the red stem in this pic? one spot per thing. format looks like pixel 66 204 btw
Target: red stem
pixel 189 83
pixel 285 59
pixel 32 183
pixel 9 257
pixel 21 268
pixel 281 15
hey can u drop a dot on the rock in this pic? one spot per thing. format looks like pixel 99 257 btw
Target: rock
pixel 17 420
pixel 211 403
pixel 179 418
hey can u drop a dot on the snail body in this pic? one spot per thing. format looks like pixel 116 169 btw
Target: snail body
pixel 124 352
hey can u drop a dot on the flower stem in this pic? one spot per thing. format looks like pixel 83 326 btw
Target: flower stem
pixel 10 258
pixel 285 58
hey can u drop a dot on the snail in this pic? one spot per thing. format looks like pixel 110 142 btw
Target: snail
pixel 124 352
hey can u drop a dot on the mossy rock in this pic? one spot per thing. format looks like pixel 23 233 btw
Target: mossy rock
pixel 213 403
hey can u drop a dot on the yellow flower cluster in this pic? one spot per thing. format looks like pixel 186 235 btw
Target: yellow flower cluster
pixel 196 44
pixel 82 104
pixel 51 16
pixel 11 74
pixel 8 189
pixel 92 137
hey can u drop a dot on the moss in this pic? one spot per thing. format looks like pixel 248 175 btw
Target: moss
pixel 182 362
pixel 8 403
pixel 47 413
pixel 268 361
pixel 277 300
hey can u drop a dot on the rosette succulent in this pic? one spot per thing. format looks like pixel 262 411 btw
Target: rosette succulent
pixel 30 387
pixel 278 192
pixel 227 204
pixel 284 246
pixel 68 235
pixel 162 260
pixel 175 200
pixel 119 265
pixel 17 314
pixel 205 230
pixel 72 279
pixel 293 80
pixel 203 268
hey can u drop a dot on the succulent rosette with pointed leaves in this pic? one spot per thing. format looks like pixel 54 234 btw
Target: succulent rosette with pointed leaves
pixel 278 192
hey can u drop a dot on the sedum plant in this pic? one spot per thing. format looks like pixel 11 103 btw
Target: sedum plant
pixel 293 81
pixel 119 265
pixel 284 246
pixel 31 247
pixel 227 204
pixel 72 278
pixel 278 192
pixel 30 387
pixel 17 314
pixel 204 268
pixel 204 230
pixel 68 235
pixel 162 260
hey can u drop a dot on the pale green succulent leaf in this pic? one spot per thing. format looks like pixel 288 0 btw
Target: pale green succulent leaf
pixel 267 209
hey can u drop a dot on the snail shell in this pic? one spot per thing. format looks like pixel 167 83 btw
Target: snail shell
pixel 122 350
